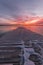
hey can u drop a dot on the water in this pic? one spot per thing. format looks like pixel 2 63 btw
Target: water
pixel 37 29
pixel 7 28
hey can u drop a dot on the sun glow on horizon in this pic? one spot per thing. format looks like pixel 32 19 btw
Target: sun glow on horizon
pixel 28 23
pixel 21 21
pixel 32 22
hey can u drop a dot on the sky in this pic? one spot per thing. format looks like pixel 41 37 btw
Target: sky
pixel 12 11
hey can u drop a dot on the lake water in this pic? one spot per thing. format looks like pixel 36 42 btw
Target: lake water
pixel 7 28
pixel 37 29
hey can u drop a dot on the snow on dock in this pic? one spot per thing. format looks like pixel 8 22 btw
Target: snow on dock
pixel 16 53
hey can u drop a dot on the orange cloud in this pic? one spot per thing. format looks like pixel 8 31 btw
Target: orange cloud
pixel 22 20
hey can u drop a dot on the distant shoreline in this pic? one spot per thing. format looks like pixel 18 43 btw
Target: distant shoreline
pixel 22 25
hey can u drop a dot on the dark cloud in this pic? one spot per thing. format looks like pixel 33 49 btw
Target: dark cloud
pixel 8 7
pixel 14 7
pixel 17 7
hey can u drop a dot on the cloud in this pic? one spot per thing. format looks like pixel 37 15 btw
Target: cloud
pixel 16 7
pixel 12 9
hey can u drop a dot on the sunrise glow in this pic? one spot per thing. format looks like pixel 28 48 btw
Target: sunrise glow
pixel 22 13
pixel 32 22
pixel 21 21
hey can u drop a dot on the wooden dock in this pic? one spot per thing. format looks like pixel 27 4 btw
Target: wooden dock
pixel 11 53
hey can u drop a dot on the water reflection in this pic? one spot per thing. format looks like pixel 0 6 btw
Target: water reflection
pixel 37 29
pixel 7 28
